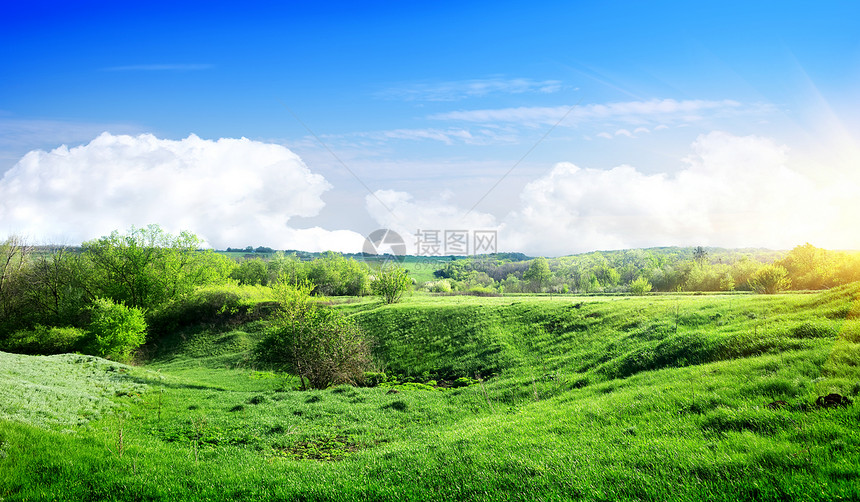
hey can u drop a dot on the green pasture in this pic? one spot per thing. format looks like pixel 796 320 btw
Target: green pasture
pixel 656 397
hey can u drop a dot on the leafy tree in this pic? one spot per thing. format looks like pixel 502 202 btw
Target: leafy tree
pixel 538 273
pixel 251 273
pixel 770 279
pixel 700 255
pixel 390 283
pixel 318 344
pixel 640 286
pixel 13 258
pixel 147 266
pixel 56 294
pixel 117 330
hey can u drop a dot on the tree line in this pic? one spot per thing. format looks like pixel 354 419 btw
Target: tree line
pixel 103 296
pixel 659 269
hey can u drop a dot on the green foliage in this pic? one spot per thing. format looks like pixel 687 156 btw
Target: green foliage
pixel 538 273
pixel 213 305
pixel 770 279
pixel 251 273
pixel 45 340
pixel 390 283
pixel 318 344
pixel 640 286
pixel 147 266
pixel 204 432
pixel 117 330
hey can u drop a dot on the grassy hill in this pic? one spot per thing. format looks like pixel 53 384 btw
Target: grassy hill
pixel 675 397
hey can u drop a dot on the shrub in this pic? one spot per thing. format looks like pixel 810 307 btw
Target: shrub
pixel 117 330
pixel 318 344
pixel 770 279
pixel 45 340
pixel 212 304
pixel 390 283
pixel 640 286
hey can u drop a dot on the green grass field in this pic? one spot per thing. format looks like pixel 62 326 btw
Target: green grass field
pixel 599 398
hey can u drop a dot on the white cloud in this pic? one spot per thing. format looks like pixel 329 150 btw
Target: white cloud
pixel 732 191
pixel 231 192
pixel 735 192
pixel 462 89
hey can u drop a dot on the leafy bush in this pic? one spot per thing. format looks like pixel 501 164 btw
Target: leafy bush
pixel 640 286
pixel 318 344
pixel 212 304
pixel 390 283
pixel 117 330
pixel 45 340
pixel 770 279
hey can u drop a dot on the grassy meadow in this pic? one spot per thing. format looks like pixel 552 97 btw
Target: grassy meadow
pixel 660 397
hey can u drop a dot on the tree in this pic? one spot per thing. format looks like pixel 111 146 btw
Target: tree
pixel 390 282
pixel 117 330
pixel 538 272
pixel 251 273
pixel 13 258
pixel 148 266
pixel 770 279
pixel 318 344
pixel 700 255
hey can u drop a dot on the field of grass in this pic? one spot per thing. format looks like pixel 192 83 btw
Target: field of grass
pixel 671 397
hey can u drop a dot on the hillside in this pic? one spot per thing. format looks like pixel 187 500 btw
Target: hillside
pixel 673 397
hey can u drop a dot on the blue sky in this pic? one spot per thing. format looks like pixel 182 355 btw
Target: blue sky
pixel 563 126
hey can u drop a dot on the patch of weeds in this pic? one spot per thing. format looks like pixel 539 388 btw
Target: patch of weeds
pixel 326 449
pixel 258 399
pixel 397 406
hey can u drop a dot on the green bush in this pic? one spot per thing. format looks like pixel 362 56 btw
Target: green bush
pixel 318 344
pixel 640 286
pixel 390 283
pixel 213 304
pixel 117 330
pixel 45 340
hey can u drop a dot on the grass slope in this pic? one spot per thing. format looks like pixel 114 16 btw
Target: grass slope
pixel 651 398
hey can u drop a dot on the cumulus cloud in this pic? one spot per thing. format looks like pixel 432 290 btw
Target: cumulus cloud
pixel 734 191
pixel 731 191
pixel 231 192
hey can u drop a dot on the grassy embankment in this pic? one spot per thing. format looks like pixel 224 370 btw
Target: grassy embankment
pixel 656 397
